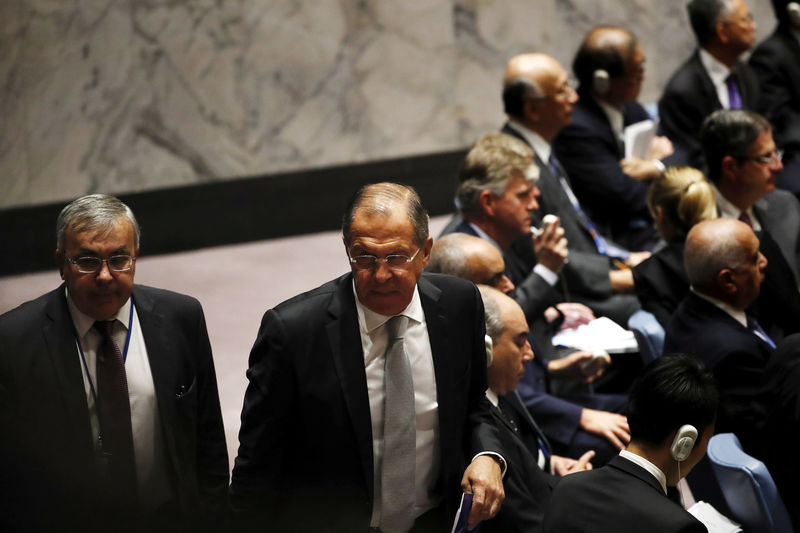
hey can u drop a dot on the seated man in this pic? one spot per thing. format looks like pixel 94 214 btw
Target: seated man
pixel 609 66
pixel 725 270
pixel 671 414
pixel 574 425
pixel 529 482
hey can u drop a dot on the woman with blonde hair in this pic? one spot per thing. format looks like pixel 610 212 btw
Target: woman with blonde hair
pixel 678 200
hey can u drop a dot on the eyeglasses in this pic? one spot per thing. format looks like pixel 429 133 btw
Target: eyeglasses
pixel 370 262
pixel 92 265
pixel 768 159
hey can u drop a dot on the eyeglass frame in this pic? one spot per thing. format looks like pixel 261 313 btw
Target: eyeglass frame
pixel 384 260
pixel 74 261
pixel 775 157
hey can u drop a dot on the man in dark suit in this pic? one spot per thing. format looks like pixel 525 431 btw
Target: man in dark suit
pixel 539 103
pixel 108 395
pixel 573 424
pixel 609 66
pixel 776 62
pixel 712 78
pixel 671 415
pixel 725 270
pixel 366 395
pixel 743 162
pixel 531 466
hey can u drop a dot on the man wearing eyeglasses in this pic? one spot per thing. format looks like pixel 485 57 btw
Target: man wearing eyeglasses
pixel 108 395
pixel 366 395
pixel 742 164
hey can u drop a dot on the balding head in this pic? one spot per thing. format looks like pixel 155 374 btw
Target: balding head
pixel 536 92
pixel 471 258
pixel 722 260
pixel 616 53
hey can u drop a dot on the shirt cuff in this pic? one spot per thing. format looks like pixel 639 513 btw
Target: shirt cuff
pixel 549 276
pixel 659 165
pixel 499 458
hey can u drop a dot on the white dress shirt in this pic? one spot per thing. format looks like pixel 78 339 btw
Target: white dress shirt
pixel 718 73
pixel 148 441
pixel 374 340
pixel 728 210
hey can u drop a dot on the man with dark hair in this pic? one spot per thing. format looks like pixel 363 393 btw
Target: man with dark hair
pixel 366 398
pixel 776 62
pixel 671 413
pixel 742 164
pixel 609 66
pixel 108 397
pixel 712 78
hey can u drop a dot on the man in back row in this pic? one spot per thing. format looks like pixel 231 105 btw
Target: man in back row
pixel 108 395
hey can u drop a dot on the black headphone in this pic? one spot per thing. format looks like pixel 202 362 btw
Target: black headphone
pixel 683 443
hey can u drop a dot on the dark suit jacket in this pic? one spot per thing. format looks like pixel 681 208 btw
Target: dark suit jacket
pixel 660 282
pixel 48 463
pixel 779 213
pixel 590 152
pixel 688 99
pixel 620 497
pixel 527 486
pixel 305 458
pixel 736 356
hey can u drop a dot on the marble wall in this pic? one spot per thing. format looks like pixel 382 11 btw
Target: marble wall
pixel 130 95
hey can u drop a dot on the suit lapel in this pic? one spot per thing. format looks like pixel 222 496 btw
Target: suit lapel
pixel 59 336
pixel 343 336
pixel 706 86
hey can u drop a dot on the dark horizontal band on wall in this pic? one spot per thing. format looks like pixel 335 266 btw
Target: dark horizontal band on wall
pixel 235 211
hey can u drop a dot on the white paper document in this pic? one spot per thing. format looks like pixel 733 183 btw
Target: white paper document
pixel 712 519
pixel 599 334
pixel 637 138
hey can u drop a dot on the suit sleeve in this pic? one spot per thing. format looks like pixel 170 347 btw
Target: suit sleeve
pixel 777 101
pixel 558 418
pixel 265 425
pixel 587 274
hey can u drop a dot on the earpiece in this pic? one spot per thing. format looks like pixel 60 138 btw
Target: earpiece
pixel 600 81
pixel 683 443
pixel 488 342
pixel 793 9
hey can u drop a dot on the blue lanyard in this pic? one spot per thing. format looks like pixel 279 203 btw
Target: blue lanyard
pixel 124 357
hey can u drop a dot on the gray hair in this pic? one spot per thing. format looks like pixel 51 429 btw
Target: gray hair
pixel 704 15
pixel 490 165
pixel 377 198
pixel 494 321
pixel 517 91
pixel 95 212
pixel 448 257
pixel 709 251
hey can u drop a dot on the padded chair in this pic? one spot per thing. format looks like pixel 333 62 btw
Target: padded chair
pixel 747 486
pixel 649 334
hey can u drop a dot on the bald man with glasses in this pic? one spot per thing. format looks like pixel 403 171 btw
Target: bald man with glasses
pixel 108 394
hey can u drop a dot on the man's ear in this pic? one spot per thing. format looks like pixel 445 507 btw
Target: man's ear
pixel 60 260
pixel 721 33
pixel 729 166
pixel 425 251
pixel 530 110
pixel 486 200
pixel 726 282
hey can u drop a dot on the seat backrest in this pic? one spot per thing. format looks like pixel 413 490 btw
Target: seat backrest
pixel 747 486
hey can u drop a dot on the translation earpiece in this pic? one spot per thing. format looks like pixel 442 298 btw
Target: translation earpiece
pixel 600 81
pixel 793 9
pixel 683 443
pixel 489 344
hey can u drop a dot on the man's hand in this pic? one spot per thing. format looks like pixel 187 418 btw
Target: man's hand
pixel 575 366
pixel 636 257
pixel 551 246
pixel 612 426
pixel 660 147
pixel 575 314
pixel 640 169
pixel 483 479
pixel 564 465
pixel 621 280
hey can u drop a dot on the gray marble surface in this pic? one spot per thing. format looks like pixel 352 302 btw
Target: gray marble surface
pixel 123 96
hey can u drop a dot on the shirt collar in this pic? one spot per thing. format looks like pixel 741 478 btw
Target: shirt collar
pixel 483 235
pixel 540 146
pixel 727 209
pixel 369 320
pixel 615 117
pixel 83 322
pixel 647 465
pixel 717 71
pixel 736 314
pixel 492 397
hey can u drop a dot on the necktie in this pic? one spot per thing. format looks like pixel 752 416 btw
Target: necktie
pixel 399 433
pixel 744 217
pixel 114 411
pixel 734 97
pixel 758 331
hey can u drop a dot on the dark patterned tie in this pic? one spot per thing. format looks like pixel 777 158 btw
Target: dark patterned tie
pixel 114 411
pixel 399 433
pixel 734 96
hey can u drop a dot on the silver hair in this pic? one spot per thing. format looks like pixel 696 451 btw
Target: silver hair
pixel 494 322
pixel 704 260
pixel 95 212
pixel 448 257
